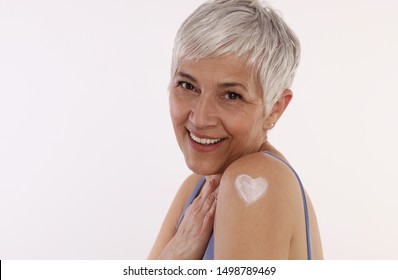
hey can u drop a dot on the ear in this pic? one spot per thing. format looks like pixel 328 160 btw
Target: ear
pixel 278 109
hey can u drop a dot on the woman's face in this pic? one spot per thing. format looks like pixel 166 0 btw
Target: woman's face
pixel 216 106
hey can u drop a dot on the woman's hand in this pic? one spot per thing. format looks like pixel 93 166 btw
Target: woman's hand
pixel 193 234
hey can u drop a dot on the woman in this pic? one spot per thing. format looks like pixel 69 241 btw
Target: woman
pixel 233 64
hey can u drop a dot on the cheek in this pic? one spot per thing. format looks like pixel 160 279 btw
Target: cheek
pixel 179 110
pixel 240 124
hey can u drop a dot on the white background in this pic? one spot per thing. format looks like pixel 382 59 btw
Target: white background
pixel 88 159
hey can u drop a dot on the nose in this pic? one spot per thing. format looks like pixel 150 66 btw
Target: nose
pixel 203 112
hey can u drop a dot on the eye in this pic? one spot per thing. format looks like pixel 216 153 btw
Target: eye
pixel 232 95
pixel 185 85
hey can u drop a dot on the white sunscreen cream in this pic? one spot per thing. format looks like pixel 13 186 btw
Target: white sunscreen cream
pixel 249 189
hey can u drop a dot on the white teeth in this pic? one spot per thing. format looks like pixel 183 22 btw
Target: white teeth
pixel 204 141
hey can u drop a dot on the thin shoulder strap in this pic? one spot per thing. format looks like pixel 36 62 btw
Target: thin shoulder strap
pixel 194 194
pixel 307 220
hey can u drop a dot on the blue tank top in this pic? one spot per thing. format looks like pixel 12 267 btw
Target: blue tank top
pixel 209 254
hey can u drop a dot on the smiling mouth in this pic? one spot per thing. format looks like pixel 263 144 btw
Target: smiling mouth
pixel 205 141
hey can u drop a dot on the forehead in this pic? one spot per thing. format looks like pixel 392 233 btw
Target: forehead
pixel 228 67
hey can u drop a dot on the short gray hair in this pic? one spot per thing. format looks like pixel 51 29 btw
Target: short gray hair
pixel 244 28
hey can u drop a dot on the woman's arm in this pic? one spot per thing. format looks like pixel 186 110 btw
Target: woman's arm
pixel 193 234
pixel 168 228
pixel 259 212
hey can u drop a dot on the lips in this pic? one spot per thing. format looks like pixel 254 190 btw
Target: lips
pixel 203 140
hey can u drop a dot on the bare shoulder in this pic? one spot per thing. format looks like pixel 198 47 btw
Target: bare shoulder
pixel 277 175
pixel 258 209
pixel 181 198
pixel 188 186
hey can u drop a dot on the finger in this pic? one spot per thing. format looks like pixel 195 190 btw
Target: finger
pixel 198 216
pixel 211 186
pixel 215 179
pixel 215 184
pixel 209 202
pixel 208 220
pixel 207 190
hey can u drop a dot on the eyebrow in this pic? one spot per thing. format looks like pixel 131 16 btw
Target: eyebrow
pixel 185 75
pixel 220 85
pixel 232 84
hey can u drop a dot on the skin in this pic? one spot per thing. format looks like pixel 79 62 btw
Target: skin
pixel 220 98
pixel 202 102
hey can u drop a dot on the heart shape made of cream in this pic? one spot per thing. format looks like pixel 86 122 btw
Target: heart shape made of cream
pixel 250 189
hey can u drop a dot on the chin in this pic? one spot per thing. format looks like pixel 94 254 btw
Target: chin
pixel 203 169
